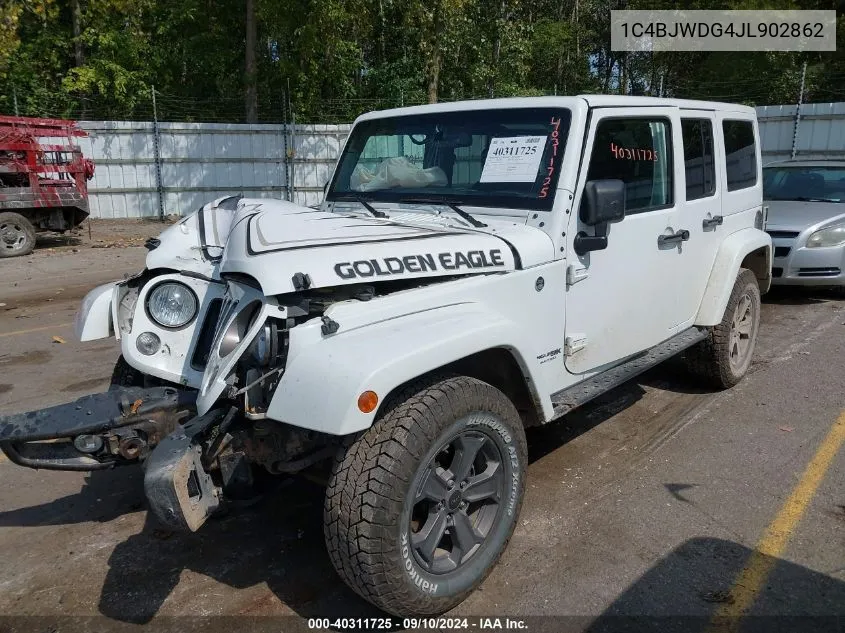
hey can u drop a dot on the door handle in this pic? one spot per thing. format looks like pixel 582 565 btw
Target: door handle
pixel 675 238
pixel 713 222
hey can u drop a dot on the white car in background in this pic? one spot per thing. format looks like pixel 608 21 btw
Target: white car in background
pixel 806 220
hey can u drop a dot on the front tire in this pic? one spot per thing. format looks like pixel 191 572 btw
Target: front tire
pixel 723 358
pixel 420 507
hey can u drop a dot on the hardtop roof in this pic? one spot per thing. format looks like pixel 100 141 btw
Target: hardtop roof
pixel 593 101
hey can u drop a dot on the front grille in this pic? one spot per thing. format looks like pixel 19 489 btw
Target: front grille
pixel 777 272
pixel 782 251
pixel 818 272
pixel 206 338
pixel 783 234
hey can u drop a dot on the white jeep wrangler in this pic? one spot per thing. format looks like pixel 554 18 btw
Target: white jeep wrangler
pixel 475 268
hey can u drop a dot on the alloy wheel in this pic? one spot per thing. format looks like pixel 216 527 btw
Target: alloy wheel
pixel 742 331
pixel 457 502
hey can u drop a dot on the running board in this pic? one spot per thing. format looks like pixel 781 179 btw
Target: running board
pixel 572 397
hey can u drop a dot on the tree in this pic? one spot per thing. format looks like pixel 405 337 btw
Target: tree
pixel 233 61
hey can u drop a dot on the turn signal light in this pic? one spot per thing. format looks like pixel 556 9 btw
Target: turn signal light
pixel 367 401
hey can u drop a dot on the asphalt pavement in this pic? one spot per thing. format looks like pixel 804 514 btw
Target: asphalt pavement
pixel 660 499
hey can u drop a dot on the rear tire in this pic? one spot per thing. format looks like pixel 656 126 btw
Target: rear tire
pixel 420 506
pixel 17 235
pixel 723 358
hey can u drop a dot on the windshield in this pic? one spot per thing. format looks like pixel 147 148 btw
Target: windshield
pixel 501 158
pixel 804 183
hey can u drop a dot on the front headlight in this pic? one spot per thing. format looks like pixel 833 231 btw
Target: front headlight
pixel 831 236
pixel 172 304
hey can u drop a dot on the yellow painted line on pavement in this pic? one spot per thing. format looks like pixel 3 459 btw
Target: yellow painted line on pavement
pixel 772 544
pixel 35 329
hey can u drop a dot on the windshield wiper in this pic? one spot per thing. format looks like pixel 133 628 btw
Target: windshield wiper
pixel 360 200
pixel 466 216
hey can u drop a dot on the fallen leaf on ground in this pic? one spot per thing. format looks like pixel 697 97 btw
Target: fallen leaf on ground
pixel 718 597
pixel 788 429
pixel 58 339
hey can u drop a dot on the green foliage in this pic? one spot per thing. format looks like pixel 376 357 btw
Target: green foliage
pixel 332 59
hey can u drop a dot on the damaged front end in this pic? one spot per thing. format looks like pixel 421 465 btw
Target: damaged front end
pixel 217 456
pixel 95 432
pixel 232 413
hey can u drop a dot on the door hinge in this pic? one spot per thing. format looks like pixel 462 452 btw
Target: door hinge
pixel 574 343
pixel 574 274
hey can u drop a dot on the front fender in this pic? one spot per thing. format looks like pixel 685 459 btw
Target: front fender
pixel 94 318
pixel 729 258
pixel 321 384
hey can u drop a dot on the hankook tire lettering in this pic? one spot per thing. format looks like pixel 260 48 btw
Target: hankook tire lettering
pixel 419 263
pixel 425 585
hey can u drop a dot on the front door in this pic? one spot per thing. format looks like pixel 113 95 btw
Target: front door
pixel 622 300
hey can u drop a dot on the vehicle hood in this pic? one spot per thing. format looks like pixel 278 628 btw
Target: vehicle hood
pixel 794 215
pixel 286 247
pixel 196 242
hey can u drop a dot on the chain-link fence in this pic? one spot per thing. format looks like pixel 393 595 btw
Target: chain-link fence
pixel 287 106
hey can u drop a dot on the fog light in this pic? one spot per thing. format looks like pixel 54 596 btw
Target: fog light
pixel 148 343
pixel 88 443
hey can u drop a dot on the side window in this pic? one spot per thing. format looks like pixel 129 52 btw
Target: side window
pixel 638 152
pixel 699 165
pixel 740 154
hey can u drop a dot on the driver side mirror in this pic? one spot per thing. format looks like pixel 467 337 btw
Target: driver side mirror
pixel 603 202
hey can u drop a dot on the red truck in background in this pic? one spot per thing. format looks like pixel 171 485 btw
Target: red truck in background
pixel 43 180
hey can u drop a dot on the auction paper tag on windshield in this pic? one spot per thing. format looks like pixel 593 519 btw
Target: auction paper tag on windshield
pixel 513 159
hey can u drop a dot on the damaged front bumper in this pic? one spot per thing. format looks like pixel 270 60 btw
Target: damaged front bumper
pixel 99 431
pixel 123 427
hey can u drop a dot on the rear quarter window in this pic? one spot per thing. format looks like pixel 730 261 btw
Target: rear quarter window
pixel 740 154
pixel 699 166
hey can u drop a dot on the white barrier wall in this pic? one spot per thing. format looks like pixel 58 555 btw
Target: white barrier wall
pixel 203 161
pixel 820 133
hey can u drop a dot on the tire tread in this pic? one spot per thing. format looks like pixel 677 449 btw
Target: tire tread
pixel 710 359
pixel 368 471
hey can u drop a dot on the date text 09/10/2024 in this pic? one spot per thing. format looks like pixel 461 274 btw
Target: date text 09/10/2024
pixel 415 624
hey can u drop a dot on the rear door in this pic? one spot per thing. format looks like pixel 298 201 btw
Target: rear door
pixel 622 300
pixel 701 158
